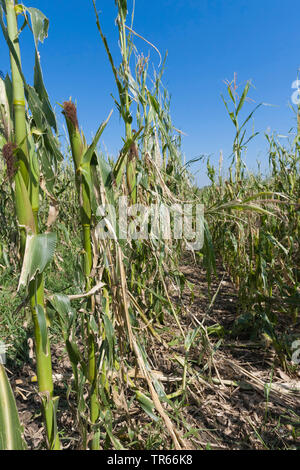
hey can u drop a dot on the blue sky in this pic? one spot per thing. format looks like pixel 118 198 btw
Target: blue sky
pixel 207 41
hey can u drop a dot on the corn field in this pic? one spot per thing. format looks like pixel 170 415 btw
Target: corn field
pixel 118 342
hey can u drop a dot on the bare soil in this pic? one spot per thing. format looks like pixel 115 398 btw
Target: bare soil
pixel 227 403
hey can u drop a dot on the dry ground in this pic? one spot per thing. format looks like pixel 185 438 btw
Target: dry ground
pixel 227 404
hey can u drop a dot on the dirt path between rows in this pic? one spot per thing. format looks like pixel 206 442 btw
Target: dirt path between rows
pixel 231 403
pixel 227 403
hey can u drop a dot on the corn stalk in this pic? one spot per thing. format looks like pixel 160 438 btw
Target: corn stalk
pixel 82 158
pixel 23 173
pixel 122 78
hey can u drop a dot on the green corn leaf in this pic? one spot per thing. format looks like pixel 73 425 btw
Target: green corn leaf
pixel 107 422
pixel 39 105
pixel 6 125
pixel 44 104
pixel 34 174
pixel 157 110
pixel 265 193
pixel 250 207
pixel 36 106
pixel 147 405
pixel 243 97
pixel 3 141
pixel 122 6
pixel 73 352
pixel 110 335
pixel 40 25
pixel 61 303
pixel 277 242
pixel 216 329
pixel 106 177
pixel 23 205
pixel 39 252
pixel 190 338
pixel 93 324
pixel 120 164
pixel 50 407
pixel 230 94
pixel 240 206
pixel 10 428
pixel 84 167
pixel 2 3
pixel 54 404
pixel 43 95
pixel 41 317
pixel 250 115
pixel 154 103
pixel 10 45
pixel 87 157
pixel 85 170
pixel 209 252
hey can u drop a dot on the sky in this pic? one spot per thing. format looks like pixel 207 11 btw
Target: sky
pixel 207 42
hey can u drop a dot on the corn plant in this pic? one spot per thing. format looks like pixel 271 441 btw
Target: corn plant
pixel 240 141
pixel 21 157
pixel 82 157
pixel 256 234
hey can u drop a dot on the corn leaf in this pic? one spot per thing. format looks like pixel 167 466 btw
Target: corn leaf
pixel 87 157
pixel 40 25
pixel 5 109
pixel 147 405
pixel 10 428
pixel 39 252
pixel 41 317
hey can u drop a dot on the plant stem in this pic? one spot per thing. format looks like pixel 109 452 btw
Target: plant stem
pixel 43 363
pixel 27 218
pixel 131 158
pixel 18 93
pixel 78 149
